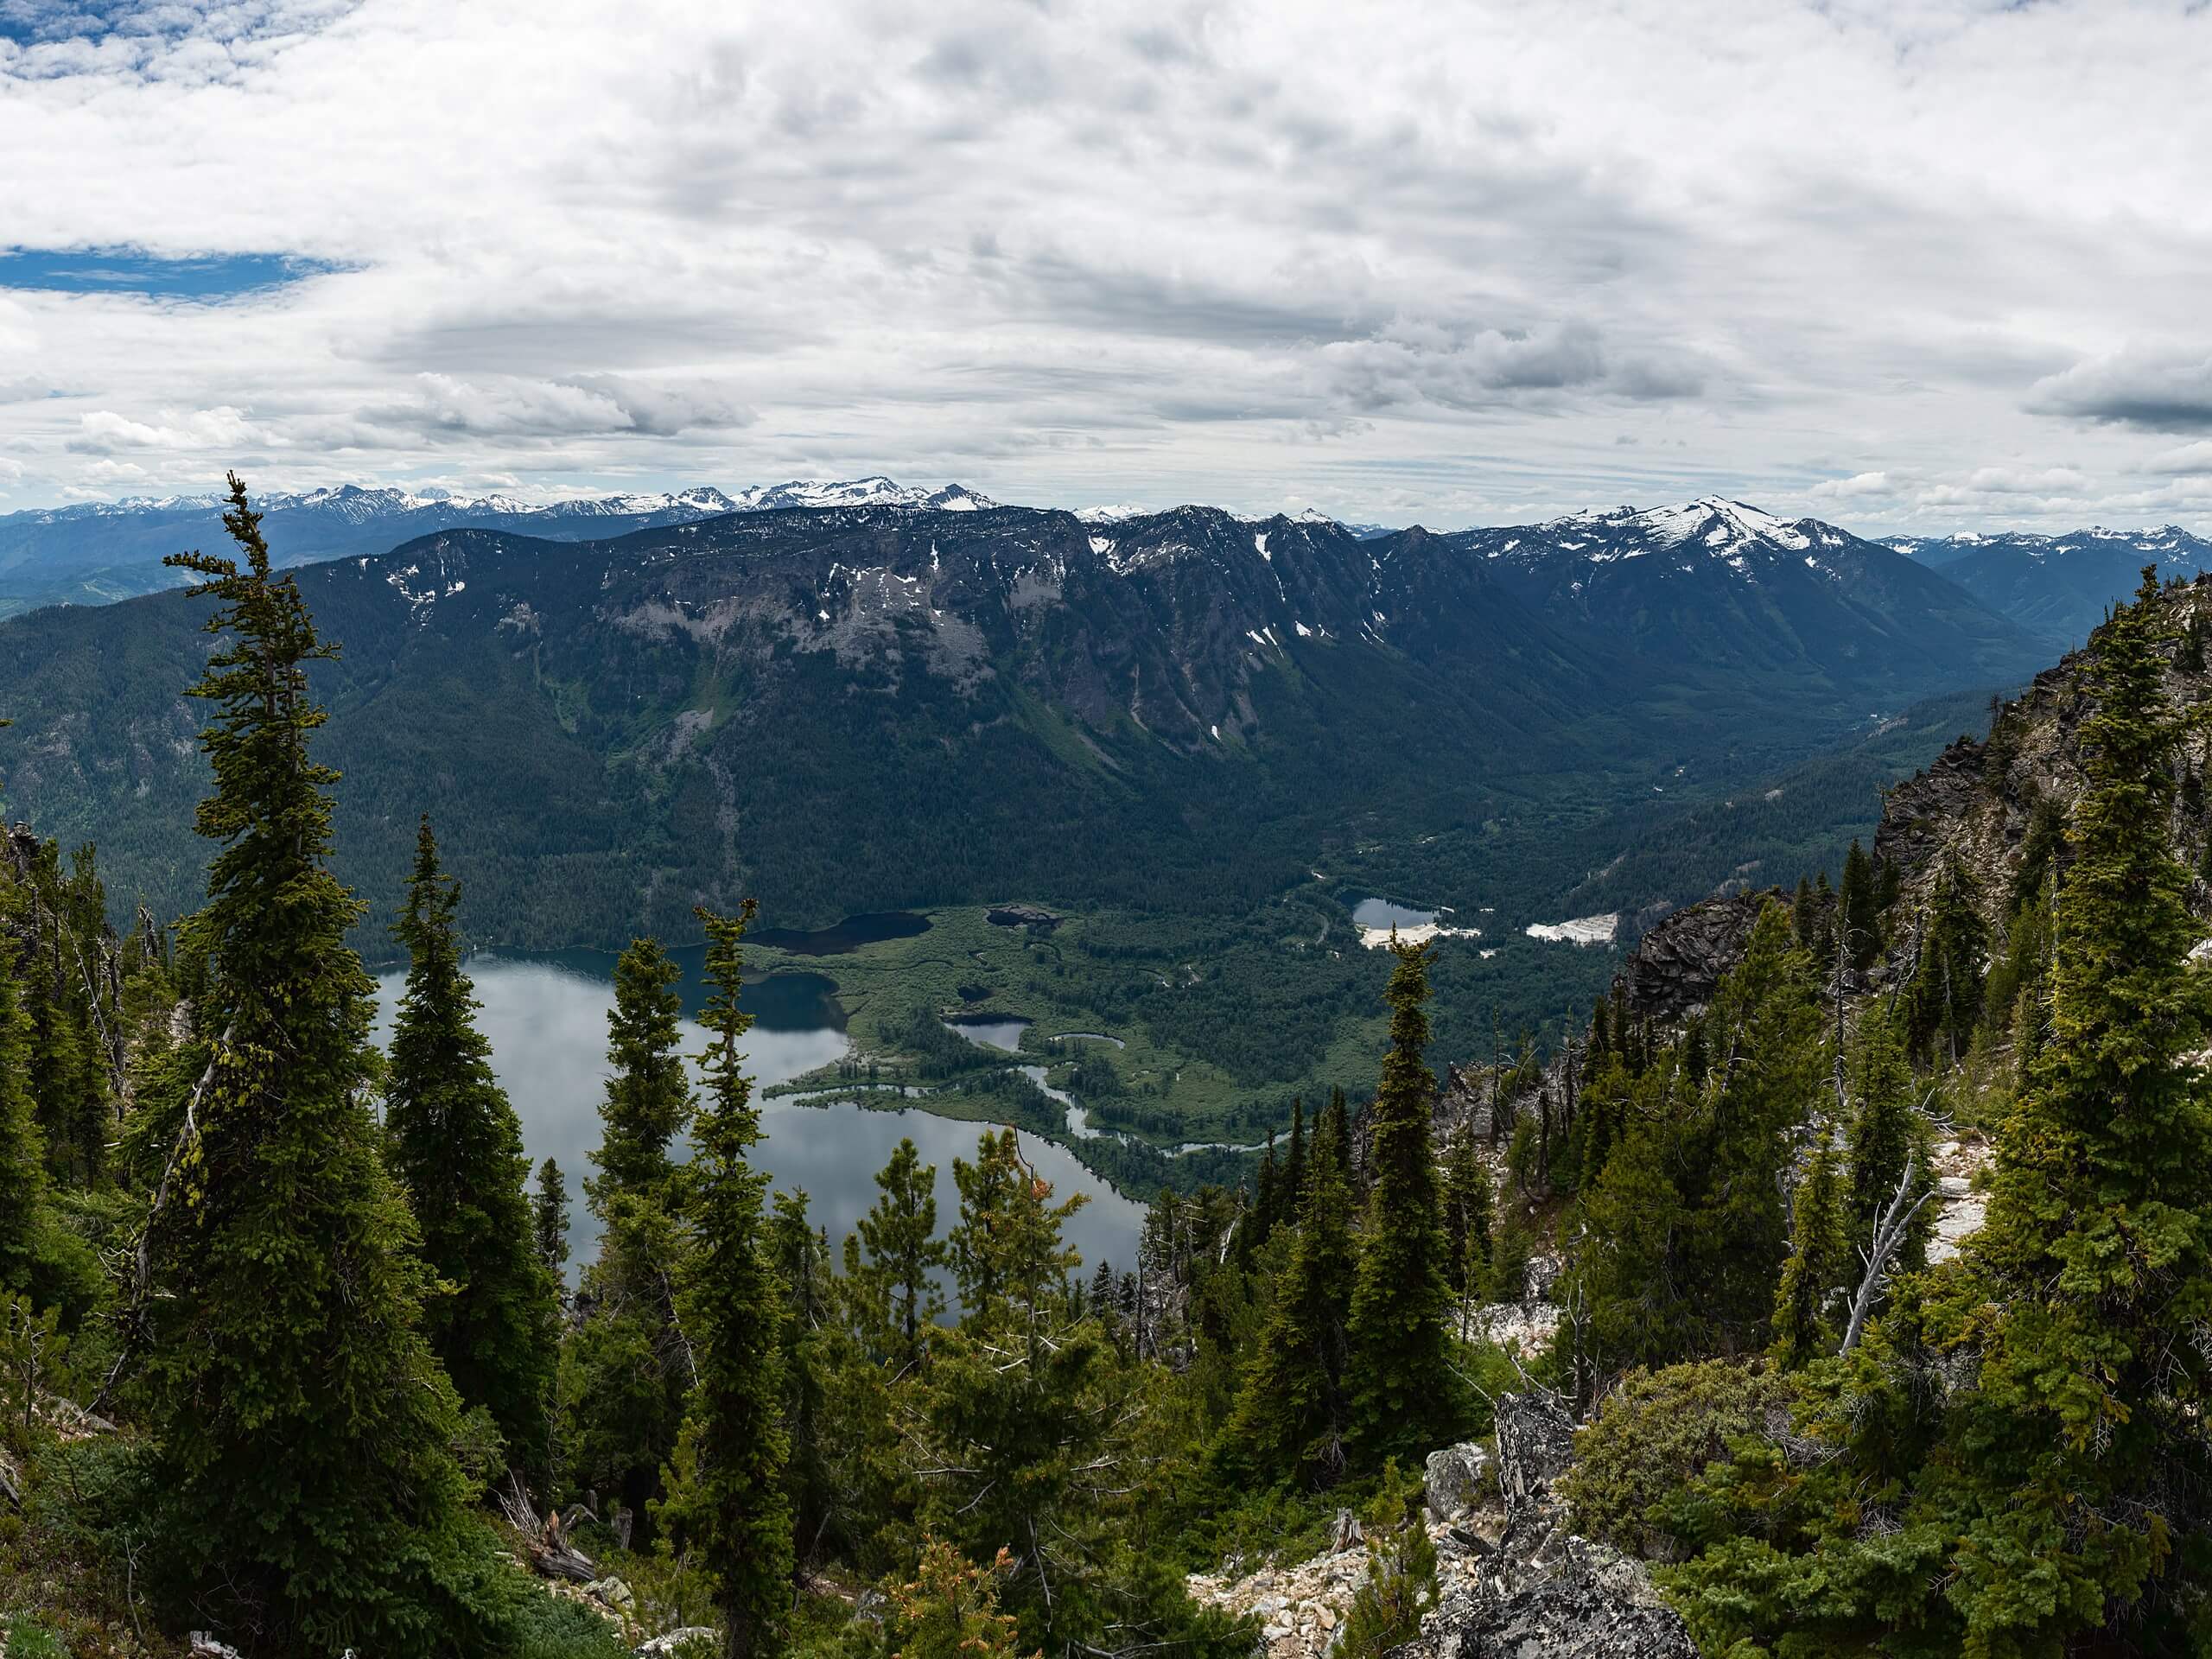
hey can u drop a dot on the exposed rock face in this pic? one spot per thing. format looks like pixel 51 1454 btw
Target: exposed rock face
pixel 1545 1594
pixel 1679 964
pixel 1972 810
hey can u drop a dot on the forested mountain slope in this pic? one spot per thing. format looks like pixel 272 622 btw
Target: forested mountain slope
pixel 849 708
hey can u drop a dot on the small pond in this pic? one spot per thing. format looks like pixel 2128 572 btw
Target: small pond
pixel 999 1030
pixel 1382 912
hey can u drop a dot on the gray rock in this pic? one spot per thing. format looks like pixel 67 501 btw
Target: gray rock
pixel 1543 1592
pixel 1535 1444
pixel 660 1646
pixel 1457 1478
pixel 1679 964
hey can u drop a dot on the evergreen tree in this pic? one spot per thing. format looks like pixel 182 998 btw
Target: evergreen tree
pixel 1766 1027
pixel 1293 1163
pixel 454 1141
pixel 1006 1247
pixel 2094 1267
pixel 1292 1412
pixel 727 1498
pixel 1886 1132
pixel 801 1254
pixel 904 1257
pixel 1347 1154
pixel 1942 1005
pixel 549 1218
pixel 628 1365
pixel 1857 914
pixel 1399 1372
pixel 1466 1213
pixel 304 1423
pixel 24 1222
pixel 1820 1265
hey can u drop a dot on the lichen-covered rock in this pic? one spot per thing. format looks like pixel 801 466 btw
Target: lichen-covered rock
pixel 1676 967
pixel 1564 1598
pixel 1457 1479
pixel 1540 1592
pixel 1535 1443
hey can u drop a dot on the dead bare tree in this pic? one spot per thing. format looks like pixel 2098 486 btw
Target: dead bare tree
pixel 1889 1237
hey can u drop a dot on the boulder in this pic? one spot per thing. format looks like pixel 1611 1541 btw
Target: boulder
pixel 1458 1478
pixel 1566 1598
pixel 1540 1591
pixel 1535 1443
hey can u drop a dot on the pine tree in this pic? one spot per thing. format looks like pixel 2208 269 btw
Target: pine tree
pixel 1293 1414
pixel 1403 1399
pixel 1857 915
pixel 549 1218
pixel 801 1254
pixel 904 1258
pixel 727 1498
pixel 304 1423
pixel 456 1145
pixel 1341 1141
pixel 628 1365
pixel 1006 1247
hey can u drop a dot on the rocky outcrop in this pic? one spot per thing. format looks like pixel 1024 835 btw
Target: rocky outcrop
pixel 1543 1592
pixel 1973 810
pixel 1034 915
pixel 1679 964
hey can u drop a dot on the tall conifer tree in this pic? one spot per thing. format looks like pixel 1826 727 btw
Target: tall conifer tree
pixel 628 1365
pixel 904 1255
pixel 1291 1414
pixel 304 1423
pixel 456 1147
pixel 728 1498
pixel 1403 1398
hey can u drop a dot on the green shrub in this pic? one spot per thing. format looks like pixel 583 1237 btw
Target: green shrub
pixel 1655 1434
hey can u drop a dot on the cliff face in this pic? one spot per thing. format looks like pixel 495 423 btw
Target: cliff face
pixel 1974 808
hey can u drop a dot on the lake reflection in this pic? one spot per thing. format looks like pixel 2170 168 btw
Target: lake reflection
pixel 546 1020
pixel 1381 912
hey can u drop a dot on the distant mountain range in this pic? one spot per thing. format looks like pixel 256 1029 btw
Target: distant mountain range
pixel 844 708
pixel 98 552
pixel 2059 586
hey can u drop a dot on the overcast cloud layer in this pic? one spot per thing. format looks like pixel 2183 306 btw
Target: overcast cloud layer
pixel 1925 265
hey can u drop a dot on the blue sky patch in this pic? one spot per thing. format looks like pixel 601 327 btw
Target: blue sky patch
pixel 214 277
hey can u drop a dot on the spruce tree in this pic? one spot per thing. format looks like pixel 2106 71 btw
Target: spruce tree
pixel 1293 1414
pixel 1820 1265
pixel 904 1255
pixel 549 1218
pixel 1886 1133
pixel 1466 1213
pixel 1005 1248
pixel 728 1498
pixel 1857 914
pixel 1766 1066
pixel 1403 1399
pixel 1942 1005
pixel 24 1218
pixel 2093 1286
pixel 1293 1163
pixel 313 1503
pixel 456 1145
pixel 628 1365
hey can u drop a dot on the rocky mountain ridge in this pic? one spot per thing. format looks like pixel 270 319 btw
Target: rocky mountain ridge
pixel 2060 587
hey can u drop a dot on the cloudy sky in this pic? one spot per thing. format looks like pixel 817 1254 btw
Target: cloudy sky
pixel 1929 264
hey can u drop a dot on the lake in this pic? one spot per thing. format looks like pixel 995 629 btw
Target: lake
pixel 545 1016
pixel 1381 912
